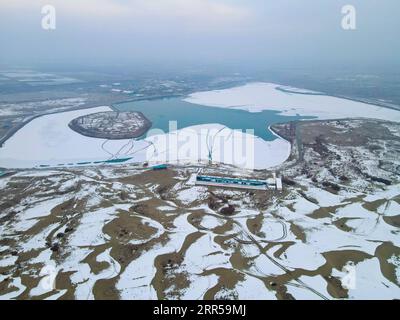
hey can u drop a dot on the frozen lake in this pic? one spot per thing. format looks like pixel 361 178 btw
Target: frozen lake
pixel 210 126
pixel 161 111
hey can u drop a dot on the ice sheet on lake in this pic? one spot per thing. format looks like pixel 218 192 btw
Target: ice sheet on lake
pixel 256 97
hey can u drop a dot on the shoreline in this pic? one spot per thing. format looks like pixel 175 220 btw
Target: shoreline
pixel 113 107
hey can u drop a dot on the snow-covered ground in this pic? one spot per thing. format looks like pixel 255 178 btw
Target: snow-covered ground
pixel 48 140
pixel 255 97
pixel 153 236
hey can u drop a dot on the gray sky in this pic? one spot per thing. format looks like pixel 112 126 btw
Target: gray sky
pixel 254 32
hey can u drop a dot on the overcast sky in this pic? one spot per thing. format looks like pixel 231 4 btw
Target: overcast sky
pixel 255 32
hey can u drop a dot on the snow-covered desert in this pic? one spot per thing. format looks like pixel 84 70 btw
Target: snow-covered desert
pixel 89 221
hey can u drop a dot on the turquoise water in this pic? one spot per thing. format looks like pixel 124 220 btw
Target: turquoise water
pixel 161 111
